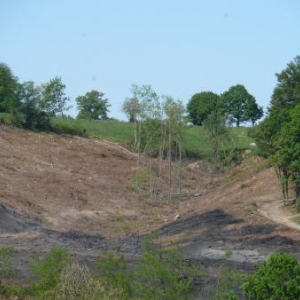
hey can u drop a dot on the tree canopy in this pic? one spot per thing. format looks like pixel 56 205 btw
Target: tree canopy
pixel 277 278
pixel 240 106
pixel 287 92
pixel 29 114
pixel 278 135
pixel 201 106
pixel 92 106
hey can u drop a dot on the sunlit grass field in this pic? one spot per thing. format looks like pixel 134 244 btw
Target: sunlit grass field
pixel 194 138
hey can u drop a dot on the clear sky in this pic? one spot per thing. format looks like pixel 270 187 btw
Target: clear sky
pixel 180 47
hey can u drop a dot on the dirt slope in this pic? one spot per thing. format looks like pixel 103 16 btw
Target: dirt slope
pixel 74 192
pixel 73 183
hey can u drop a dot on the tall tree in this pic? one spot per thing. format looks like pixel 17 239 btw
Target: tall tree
pixel 54 100
pixel 92 106
pixel 252 111
pixel 201 105
pixel 287 92
pixel 29 114
pixel 8 89
pixel 277 136
pixel 240 106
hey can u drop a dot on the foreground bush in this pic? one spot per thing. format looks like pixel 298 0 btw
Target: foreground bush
pixel 277 278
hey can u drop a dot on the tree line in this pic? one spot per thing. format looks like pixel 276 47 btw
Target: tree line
pixel 33 105
pixel 236 105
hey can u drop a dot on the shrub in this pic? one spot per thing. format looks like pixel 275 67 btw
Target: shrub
pixel 47 270
pixel 115 275
pixel 164 274
pixel 277 278
pixel 6 268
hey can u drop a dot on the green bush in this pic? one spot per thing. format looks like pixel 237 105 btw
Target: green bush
pixel 164 274
pixel 47 270
pixel 6 267
pixel 277 278
pixel 115 275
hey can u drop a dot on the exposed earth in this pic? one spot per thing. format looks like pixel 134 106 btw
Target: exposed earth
pixel 76 193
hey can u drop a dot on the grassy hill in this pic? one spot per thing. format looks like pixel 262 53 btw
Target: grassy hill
pixel 195 139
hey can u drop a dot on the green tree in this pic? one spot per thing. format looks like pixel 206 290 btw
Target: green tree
pixel 277 278
pixel 277 135
pixel 287 155
pixel 92 106
pixel 163 274
pixel 240 106
pixel 287 92
pixel 8 89
pixel 201 105
pixel 54 100
pixel 29 115
pixel 253 111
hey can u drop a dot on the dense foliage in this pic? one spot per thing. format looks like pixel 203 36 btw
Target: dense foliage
pixel 278 135
pixel 34 107
pixel 277 278
pixel 240 106
pixel 235 105
pixel 92 106
pixel 201 105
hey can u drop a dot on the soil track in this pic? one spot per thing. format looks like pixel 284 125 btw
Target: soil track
pixel 73 193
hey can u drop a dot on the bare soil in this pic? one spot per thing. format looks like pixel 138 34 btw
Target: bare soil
pixel 75 193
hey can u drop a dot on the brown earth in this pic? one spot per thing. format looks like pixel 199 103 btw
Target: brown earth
pixel 61 191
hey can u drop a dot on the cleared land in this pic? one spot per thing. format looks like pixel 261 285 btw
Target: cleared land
pixel 71 192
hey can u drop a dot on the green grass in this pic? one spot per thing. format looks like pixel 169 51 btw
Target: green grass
pixel 241 137
pixel 195 142
pixel 114 131
pixel 194 139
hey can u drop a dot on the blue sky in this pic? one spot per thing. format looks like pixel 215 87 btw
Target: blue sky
pixel 179 47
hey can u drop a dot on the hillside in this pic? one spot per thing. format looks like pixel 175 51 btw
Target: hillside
pixel 74 192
